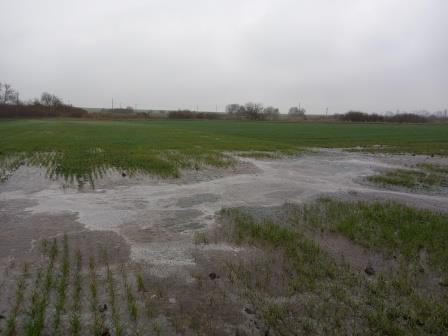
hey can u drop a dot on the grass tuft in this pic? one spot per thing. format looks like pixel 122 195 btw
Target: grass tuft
pixel 110 283
pixel 62 287
pixel 97 323
pixel 75 321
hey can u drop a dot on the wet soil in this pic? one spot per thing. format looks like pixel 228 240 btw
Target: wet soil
pixel 149 224
pixel 157 219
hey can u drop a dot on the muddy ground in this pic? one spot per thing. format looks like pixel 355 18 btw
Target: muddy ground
pixel 147 227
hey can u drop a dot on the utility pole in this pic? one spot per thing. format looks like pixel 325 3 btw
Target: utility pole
pixel 112 104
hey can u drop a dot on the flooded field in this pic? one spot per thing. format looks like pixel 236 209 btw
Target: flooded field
pixel 150 225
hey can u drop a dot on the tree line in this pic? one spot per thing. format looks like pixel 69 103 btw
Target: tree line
pixel 256 111
pixel 248 111
pixel 357 116
pixel 48 105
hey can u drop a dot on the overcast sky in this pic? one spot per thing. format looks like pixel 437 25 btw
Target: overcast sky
pixel 371 55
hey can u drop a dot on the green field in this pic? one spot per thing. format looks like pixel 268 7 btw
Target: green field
pixel 78 148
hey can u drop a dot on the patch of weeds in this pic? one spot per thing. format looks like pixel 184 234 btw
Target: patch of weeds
pixel 434 168
pixel 300 250
pixel 427 176
pixel 398 177
pixel 9 164
pixel 260 155
pixel 19 296
pixel 157 327
pixel 322 296
pixel 140 282
pixel 389 227
pixel 62 287
pixel 75 321
pixel 200 238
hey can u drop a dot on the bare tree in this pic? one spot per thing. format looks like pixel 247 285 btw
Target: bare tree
pixel 272 113
pixel 254 111
pixel 233 109
pixel 50 100
pixel 8 95
pixel 45 99
pixel 296 112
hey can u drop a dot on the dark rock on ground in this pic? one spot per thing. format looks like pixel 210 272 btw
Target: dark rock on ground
pixel 249 311
pixel 369 270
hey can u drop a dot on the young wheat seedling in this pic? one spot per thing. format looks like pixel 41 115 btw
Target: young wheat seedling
pixel 75 322
pixel 20 292
pixel 40 300
pixel 112 300
pixel 97 320
pixel 140 283
pixel 62 287
pixel 132 305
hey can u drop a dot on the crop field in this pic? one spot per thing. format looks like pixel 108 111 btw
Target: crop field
pixel 84 148
pixel 172 227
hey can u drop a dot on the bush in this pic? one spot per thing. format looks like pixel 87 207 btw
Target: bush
pixel 181 114
pixel 40 111
pixel 357 116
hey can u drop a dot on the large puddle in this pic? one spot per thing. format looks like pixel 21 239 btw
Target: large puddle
pixel 159 219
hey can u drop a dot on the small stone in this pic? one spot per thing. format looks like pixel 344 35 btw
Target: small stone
pixel 249 311
pixel 213 276
pixel 369 270
pixel 443 283
pixel 102 308
pixel 123 174
pixel 172 300
pixel 105 332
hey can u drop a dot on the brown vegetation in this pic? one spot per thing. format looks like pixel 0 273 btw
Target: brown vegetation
pixel 40 111
pixel 356 116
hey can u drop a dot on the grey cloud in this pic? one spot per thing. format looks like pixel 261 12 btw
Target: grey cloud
pixel 373 55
